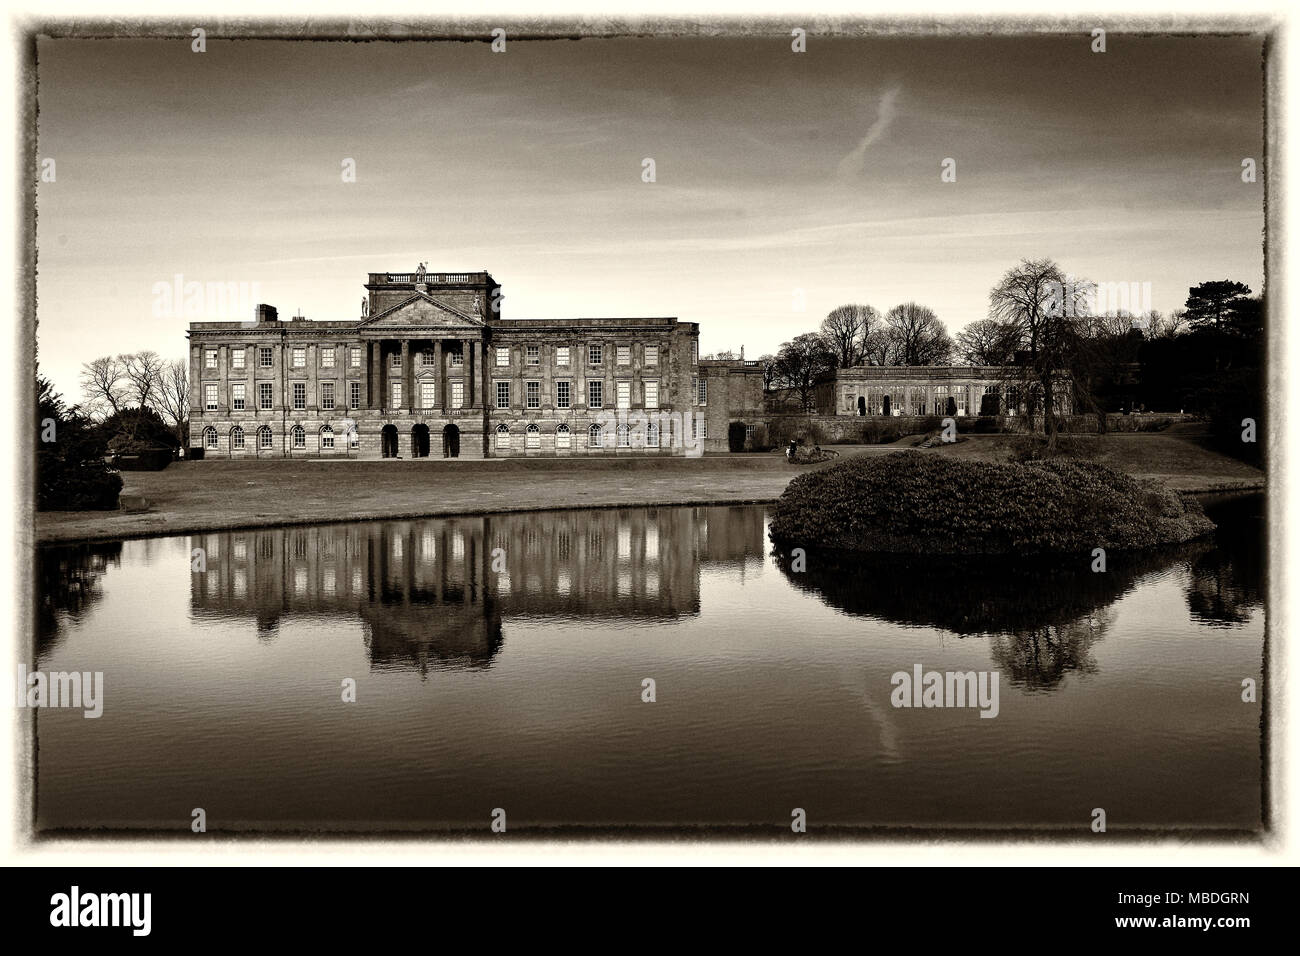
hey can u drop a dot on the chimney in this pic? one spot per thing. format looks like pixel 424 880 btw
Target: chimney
pixel 266 313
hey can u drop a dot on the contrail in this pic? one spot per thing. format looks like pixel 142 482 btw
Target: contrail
pixel 853 163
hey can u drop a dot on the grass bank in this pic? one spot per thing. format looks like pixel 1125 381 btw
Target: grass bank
pixel 213 495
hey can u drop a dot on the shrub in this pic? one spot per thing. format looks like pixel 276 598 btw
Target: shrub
pixel 918 503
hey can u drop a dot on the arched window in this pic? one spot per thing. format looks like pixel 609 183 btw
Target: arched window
pixel 532 437
pixel 503 435
pixel 299 435
pixel 562 436
pixel 623 436
pixel 652 435
pixel 327 437
pixel 594 437
pixel 209 437
pixel 237 438
pixel 264 437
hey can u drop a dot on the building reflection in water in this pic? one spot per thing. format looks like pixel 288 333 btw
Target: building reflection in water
pixel 434 592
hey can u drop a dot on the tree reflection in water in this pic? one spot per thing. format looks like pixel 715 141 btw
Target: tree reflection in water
pixel 1041 616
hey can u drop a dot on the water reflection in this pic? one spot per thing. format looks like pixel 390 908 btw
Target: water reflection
pixel 434 592
pixel 1043 617
pixel 69 581
pixel 1227 581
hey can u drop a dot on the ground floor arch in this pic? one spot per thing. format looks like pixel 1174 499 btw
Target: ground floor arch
pixel 388 441
pixel 450 441
pixel 420 440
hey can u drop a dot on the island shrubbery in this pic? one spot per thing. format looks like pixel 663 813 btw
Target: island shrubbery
pixel 912 502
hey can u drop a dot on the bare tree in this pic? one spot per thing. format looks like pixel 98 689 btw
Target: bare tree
pixel 800 365
pixel 917 336
pixel 144 374
pixel 103 384
pixel 174 396
pixel 1043 305
pixel 847 330
pixel 986 342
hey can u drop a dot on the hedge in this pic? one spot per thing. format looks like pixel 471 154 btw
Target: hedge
pixel 912 502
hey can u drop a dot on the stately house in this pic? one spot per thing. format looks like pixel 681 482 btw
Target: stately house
pixel 430 368
pixel 929 390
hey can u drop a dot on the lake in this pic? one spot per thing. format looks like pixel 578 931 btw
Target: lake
pixel 500 662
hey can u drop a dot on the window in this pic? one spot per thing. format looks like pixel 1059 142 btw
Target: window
pixel 698 427
pixel 562 355
pixel 651 394
pixel 562 397
pixel 397 395
pixel 264 437
pixel 593 437
pixel 702 396
pixel 595 394
pixel 264 396
pixel 503 436
pixel 623 394
pixel 533 354
pixel 457 358
pixel 428 394
pixel 695 351
pixel 327 357
pixel 327 437
pixel 237 396
pixel 424 357
pixel 210 358
pixel 299 435
pixel 532 437
pixel 562 436
pixel 623 436
pixel 299 396
pixel 457 394
pixel 237 438
pixel 237 358
pixel 593 355
pixel 623 354
pixel 264 356
pixel 209 437
pixel 354 356
pixel 326 394
pixel 210 397
pixel 652 355
pixel 299 357
pixel 532 394
pixel 652 435
pixel 354 395
pixel 503 394
pixel 503 356
pixel 354 437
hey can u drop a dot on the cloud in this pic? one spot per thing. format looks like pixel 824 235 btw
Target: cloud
pixel 853 163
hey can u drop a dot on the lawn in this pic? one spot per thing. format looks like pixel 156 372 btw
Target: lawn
pixel 196 496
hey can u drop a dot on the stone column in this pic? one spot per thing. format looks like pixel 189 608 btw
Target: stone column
pixel 405 375
pixel 440 376
pixel 478 398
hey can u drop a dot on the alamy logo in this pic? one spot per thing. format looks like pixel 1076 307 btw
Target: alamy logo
pixel 947 689
pixel 102 909
pixel 64 689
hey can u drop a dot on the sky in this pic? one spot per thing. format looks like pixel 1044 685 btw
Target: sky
pixel 786 183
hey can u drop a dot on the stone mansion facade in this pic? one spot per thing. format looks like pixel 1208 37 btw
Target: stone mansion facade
pixel 430 369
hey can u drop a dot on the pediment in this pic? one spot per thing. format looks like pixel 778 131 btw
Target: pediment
pixel 422 311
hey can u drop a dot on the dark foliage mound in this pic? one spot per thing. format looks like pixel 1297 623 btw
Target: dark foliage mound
pixel 912 502
pixel 70 470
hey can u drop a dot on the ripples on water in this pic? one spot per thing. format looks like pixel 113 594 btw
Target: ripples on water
pixel 519 685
